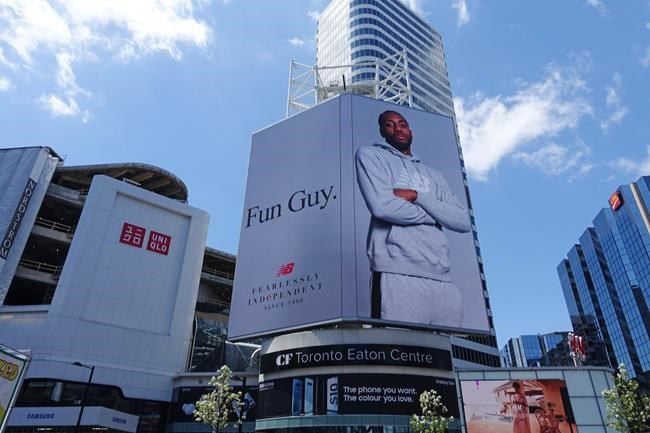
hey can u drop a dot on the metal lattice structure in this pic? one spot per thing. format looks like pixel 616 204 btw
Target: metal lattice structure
pixel 389 82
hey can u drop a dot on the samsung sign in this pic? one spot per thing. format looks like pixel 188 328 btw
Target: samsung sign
pixel 356 354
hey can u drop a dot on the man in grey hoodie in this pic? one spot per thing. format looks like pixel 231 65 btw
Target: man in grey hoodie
pixel 410 204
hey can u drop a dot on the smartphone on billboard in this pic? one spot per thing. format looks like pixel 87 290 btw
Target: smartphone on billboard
pixel 333 395
pixel 296 402
pixel 309 396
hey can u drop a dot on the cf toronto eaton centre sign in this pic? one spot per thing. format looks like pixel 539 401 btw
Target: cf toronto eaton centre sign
pixel 356 354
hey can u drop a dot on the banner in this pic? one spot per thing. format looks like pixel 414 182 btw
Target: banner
pixel 356 211
pixel 12 368
pixel 25 175
pixel 346 394
pixel 519 406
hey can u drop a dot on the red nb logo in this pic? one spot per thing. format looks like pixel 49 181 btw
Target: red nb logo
pixel 285 269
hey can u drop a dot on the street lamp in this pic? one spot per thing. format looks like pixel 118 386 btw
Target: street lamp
pixel 85 396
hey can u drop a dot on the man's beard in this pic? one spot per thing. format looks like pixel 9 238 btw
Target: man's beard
pixel 401 146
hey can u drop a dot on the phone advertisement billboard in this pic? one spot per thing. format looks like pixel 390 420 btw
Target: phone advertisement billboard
pixel 517 406
pixel 356 210
pixel 349 394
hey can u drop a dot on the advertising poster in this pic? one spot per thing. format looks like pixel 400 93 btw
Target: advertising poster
pixel 347 394
pixel 356 210
pixel 517 406
pixel 185 403
pixel 12 367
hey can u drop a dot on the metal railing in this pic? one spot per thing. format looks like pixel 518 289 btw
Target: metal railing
pixel 53 225
pixel 40 266
pixel 214 301
pixel 218 273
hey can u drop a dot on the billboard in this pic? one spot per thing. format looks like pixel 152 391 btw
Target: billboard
pixel 519 406
pixel 350 394
pixel 25 175
pixel 351 215
pixel 185 398
pixel 12 367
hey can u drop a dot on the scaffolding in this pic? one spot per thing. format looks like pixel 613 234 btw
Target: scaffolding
pixel 310 85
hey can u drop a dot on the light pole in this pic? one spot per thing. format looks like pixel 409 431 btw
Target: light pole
pixel 85 396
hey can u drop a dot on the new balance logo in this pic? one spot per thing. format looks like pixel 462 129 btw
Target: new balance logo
pixel 285 269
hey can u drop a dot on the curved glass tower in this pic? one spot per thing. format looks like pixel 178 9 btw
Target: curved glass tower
pixel 353 31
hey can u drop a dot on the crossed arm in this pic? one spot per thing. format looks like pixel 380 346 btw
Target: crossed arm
pixel 407 206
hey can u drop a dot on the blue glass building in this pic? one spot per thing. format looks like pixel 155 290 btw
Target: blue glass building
pixel 541 350
pixel 606 282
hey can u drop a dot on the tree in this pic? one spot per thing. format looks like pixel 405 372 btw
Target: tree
pixel 215 407
pixel 433 419
pixel 628 410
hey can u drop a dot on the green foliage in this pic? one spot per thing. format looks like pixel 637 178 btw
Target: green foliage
pixel 214 407
pixel 628 410
pixel 433 419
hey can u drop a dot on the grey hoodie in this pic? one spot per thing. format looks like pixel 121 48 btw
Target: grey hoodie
pixel 407 238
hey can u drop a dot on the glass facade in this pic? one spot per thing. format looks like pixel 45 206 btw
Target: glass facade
pixel 606 284
pixel 541 350
pixel 351 31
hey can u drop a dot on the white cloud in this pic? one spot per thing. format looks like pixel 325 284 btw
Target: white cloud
pixel 58 107
pixel 5 84
pixel 463 12
pixel 633 167
pixel 645 60
pixel 416 5
pixel 314 15
pixel 613 102
pixel 599 6
pixel 647 25
pixel 296 42
pixel 73 31
pixel 492 128
pixel 554 159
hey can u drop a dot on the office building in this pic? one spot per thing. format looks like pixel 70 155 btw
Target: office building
pixel 351 32
pixel 105 277
pixel 606 282
pixel 359 32
pixel 541 350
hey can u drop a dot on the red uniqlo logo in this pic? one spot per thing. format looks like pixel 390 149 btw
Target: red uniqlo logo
pixel 159 243
pixel 132 235
pixel 285 269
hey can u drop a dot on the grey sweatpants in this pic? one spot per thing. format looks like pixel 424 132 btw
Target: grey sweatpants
pixel 406 298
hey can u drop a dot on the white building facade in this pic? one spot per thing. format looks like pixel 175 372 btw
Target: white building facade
pixel 100 285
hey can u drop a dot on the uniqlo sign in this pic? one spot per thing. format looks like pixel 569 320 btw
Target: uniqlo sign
pixel 159 243
pixel 132 235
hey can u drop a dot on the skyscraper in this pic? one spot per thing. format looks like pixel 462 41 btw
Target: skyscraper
pixel 606 282
pixel 541 350
pixel 353 37
pixel 351 32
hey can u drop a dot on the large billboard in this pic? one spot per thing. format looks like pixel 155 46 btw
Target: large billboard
pixel 25 175
pixel 347 394
pixel 356 210
pixel 519 406
pixel 12 368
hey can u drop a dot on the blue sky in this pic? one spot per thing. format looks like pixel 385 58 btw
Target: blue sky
pixel 551 96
